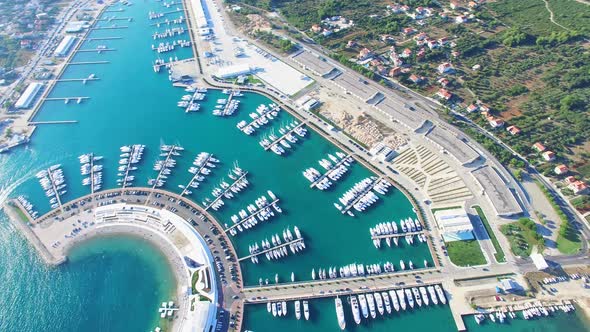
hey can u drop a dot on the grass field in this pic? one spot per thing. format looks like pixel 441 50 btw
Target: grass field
pixel 499 256
pixel 570 243
pixel 522 240
pixel 465 253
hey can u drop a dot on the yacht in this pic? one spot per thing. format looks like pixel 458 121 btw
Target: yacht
pixel 355 309
pixel 395 300
pixel 371 303
pixel 379 301
pixel 441 294
pixel 417 296
pixel 424 296
pixel 363 303
pixel 298 310
pixel 306 310
pixel 386 301
pixel 340 313
pixel 432 294
pixel 409 296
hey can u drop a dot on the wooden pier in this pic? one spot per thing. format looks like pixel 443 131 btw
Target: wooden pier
pixel 254 214
pixel 226 190
pixel 275 142
pixel 184 191
pixel 360 195
pixel 34 123
pixel 271 249
pixel 342 161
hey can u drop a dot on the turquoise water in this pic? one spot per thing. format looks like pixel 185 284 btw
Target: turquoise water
pixel 97 290
pixel 132 105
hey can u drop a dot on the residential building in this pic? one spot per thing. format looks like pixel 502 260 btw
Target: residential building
pixel 539 147
pixel 561 169
pixel 513 130
pixel 548 155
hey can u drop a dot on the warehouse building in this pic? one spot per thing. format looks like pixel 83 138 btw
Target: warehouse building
pixel 28 96
pixel 454 224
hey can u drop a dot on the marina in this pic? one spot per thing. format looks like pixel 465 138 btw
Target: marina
pixel 311 211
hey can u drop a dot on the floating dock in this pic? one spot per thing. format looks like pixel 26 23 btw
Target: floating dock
pixel 197 173
pixel 257 212
pixel 338 164
pixel 226 190
pixel 270 249
pixel 275 142
pixel 360 195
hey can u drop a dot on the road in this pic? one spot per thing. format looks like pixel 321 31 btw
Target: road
pixel 28 69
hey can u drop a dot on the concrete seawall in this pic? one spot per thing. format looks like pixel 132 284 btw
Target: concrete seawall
pixel 25 229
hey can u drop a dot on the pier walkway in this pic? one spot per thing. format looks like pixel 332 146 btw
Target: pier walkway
pixel 92 173
pixel 77 79
pixel 108 19
pixel 103 38
pixel 197 173
pixel 254 214
pixel 226 190
pixel 67 99
pixel 110 28
pixel 98 50
pixel 161 171
pixel 385 236
pixel 57 196
pixel 360 195
pixel 260 116
pixel 271 249
pixel 273 143
pixel 34 123
pixel 341 286
pixel 342 161
pixel 79 63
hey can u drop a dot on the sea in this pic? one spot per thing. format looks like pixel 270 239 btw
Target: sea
pixel 117 283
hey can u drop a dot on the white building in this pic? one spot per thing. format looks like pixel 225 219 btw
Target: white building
pixel 233 71
pixel 539 262
pixel 65 46
pixel 28 96
pixel 454 224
